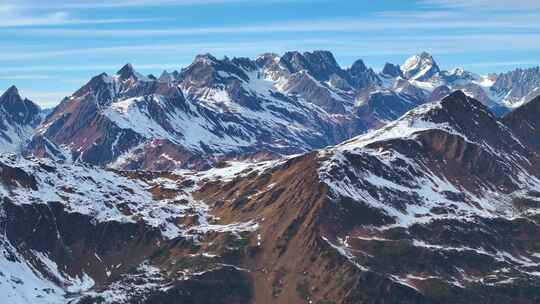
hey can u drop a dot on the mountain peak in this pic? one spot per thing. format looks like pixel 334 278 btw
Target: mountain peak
pixel 126 71
pixel 11 95
pixel 169 77
pixel 426 55
pixel 205 58
pixel 392 70
pixel 471 118
pixel 457 106
pixel 321 56
pixel 12 90
pixel 456 110
pixel 456 114
pixel 420 67
pixel 320 64
pixel 461 98
pixel 21 111
pixel 358 67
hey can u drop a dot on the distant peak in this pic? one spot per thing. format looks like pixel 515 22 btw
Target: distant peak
pixel 420 67
pixel 322 57
pixel 99 79
pixel 168 77
pixel 425 55
pixel 11 93
pixel 12 90
pixel 126 71
pixel 321 53
pixel 392 70
pixel 268 55
pixel 422 58
pixel 292 54
pixel 205 58
pixel 20 110
pixel 358 67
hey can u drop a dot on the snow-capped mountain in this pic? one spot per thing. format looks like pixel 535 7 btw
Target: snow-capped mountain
pixel 216 109
pixel 501 92
pixel 439 206
pixel 420 67
pixel 241 108
pixel 18 119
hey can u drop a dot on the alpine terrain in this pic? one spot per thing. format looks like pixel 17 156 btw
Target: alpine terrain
pixel 280 179
pixel 241 108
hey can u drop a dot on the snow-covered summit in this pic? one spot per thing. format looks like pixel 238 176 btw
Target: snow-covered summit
pixel 420 67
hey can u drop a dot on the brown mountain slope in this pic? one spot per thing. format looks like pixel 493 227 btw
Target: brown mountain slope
pixel 441 206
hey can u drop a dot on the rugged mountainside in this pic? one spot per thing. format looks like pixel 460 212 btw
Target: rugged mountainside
pixel 440 206
pixel 525 123
pixel 517 87
pixel 219 109
pixel 18 119
pixel 216 109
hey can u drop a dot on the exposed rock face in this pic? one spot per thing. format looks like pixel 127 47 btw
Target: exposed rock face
pixel 518 86
pixel 440 206
pixel 18 118
pixel 525 123
pixel 363 78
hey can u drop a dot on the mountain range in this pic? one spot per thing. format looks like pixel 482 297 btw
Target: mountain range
pixel 284 179
pixel 243 108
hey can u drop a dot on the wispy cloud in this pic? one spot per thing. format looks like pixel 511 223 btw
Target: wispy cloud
pixel 103 4
pixel 368 46
pixel 85 67
pixel 386 21
pixel 486 5
pixel 13 77
pixel 59 18
pixel 503 63
pixel 173 48
pixel 16 15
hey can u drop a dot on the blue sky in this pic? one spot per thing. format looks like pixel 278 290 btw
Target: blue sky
pixel 51 48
